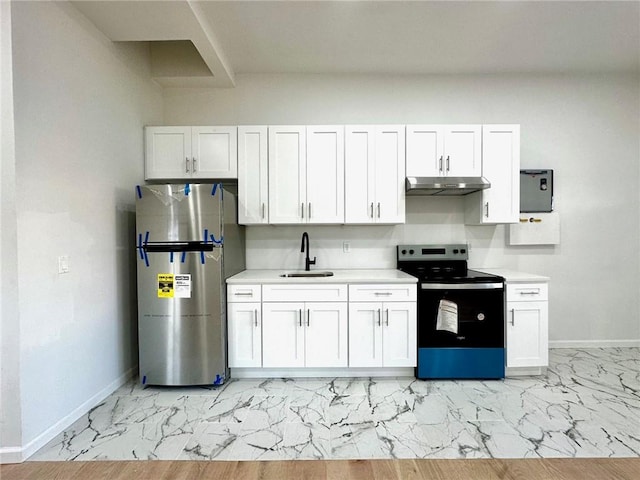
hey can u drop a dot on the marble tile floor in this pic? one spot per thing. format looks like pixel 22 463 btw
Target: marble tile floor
pixel 587 405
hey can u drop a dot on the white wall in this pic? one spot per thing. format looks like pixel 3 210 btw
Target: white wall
pixel 10 412
pixel 80 105
pixel 585 127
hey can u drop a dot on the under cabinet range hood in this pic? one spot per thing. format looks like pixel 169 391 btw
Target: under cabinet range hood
pixel 445 185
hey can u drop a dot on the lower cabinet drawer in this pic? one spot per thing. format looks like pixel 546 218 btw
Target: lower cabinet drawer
pixel 527 292
pixel 304 293
pixel 383 293
pixel 244 293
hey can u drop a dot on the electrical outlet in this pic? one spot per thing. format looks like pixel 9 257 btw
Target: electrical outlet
pixel 346 247
pixel 63 264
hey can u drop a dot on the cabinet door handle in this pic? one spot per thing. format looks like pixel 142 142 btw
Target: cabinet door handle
pixel 447 163
pixel 387 314
pixel 379 318
pixel 302 208
pixel 300 317
pixel 378 209
pixel 371 209
pixel 308 318
pixel 263 210
pixel 309 211
pixel 186 165
pixel 486 206
pixel 440 164
pixel 193 164
pixel 255 316
pixel 513 317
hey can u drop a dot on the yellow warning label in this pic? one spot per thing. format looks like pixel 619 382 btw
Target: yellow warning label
pixel 165 285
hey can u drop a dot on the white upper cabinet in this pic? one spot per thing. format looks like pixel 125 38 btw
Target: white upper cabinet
pixel 253 187
pixel 325 174
pixel 499 203
pixel 190 152
pixel 444 150
pixel 214 152
pixel 306 174
pixel 374 174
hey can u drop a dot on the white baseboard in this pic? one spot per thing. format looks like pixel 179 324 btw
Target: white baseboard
pixel 10 455
pixel 18 455
pixel 594 343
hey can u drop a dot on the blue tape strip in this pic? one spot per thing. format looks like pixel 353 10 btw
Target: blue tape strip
pixel 146 237
pixel 170 257
pixel 139 191
pixel 187 189
pixel 184 256
pixel 218 242
pixel 206 235
pixel 144 380
pixel 146 258
pixel 202 257
pixel 218 381
pixel 213 190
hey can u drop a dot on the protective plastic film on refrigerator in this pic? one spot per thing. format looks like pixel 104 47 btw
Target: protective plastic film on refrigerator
pixel 188 243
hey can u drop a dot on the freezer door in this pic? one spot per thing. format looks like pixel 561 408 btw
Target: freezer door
pixel 181 319
pixel 184 212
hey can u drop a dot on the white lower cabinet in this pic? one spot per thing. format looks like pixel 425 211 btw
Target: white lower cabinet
pixel 527 326
pixel 304 334
pixel 245 334
pixel 382 334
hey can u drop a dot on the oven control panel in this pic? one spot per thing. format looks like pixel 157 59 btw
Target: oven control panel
pixel 458 251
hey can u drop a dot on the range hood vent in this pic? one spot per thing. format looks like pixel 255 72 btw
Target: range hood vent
pixel 445 185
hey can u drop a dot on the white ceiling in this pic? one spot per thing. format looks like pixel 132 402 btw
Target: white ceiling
pixel 385 37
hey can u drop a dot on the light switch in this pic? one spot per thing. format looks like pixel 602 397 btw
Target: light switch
pixel 63 264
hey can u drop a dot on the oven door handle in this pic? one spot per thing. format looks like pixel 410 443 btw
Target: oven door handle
pixel 461 286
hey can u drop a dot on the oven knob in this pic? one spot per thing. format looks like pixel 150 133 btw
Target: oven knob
pixel 463 251
pixel 404 252
pixel 411 252
pixel 455 250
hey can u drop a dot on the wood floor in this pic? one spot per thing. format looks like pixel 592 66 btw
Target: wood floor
pixel 481 469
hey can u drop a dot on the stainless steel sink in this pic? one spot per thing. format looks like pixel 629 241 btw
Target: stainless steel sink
pixel 307 274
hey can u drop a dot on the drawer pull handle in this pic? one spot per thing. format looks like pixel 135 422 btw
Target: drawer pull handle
pixel 383 294
pixel 537 292
pixel 244 294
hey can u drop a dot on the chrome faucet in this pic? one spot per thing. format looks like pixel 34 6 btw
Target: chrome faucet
pixel 307 260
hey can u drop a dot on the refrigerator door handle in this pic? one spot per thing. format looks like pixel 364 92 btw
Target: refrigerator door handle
pixel 160 247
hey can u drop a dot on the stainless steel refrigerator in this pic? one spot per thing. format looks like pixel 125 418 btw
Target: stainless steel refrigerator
pixel 188 243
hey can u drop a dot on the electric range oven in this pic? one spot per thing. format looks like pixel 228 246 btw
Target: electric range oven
pixel 461 325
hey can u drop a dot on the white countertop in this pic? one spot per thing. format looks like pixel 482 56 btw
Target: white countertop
pixel 514 276
pixel 387 275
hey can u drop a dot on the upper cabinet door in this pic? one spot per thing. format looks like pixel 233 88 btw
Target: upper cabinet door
pixel 389 174
pixel 359 174
pixel 501 166
pixel 167 153
pixel 499 203
pixel 444 150
pixel 463 151
pixel 325 174
pixel 253 193
pixel 425 145
pixel 214 152
pixel 287 175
